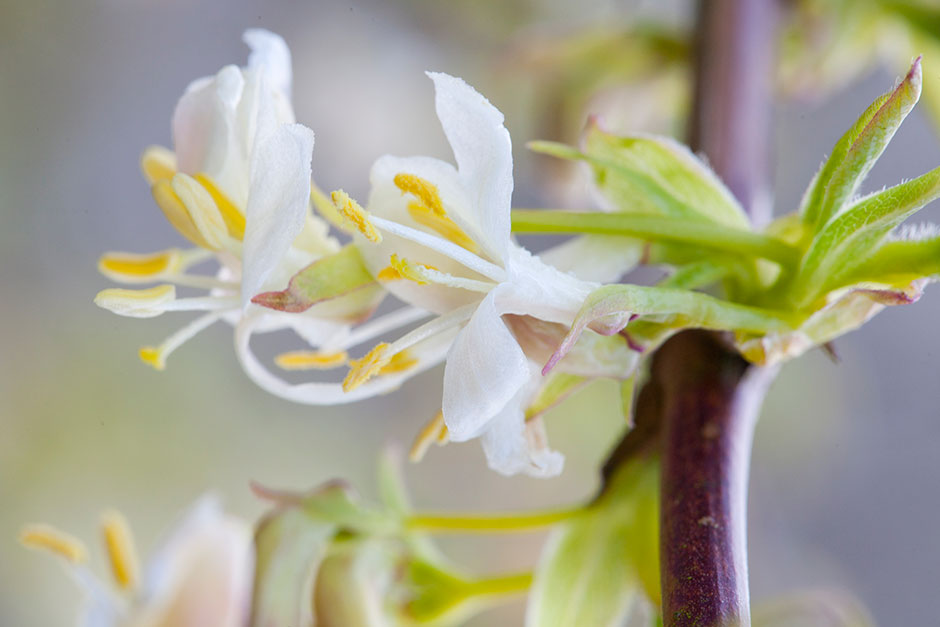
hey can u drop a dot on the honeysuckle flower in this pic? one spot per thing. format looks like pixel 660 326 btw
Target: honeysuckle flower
pixel 201 576
pixel 238 187
pixel 445 246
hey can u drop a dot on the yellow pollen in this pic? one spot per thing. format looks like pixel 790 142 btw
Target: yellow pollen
pixel 433 431
pixel 55 541
pixel 355 215
pixel 411 271
pixel 158 164
pixel 400 362
pixel 442 225
pixel 234 219
pixel 311 360
pixel 388 274
pixel 120 547
pixel 176 213
pixel 153 356
pixel 361 370
pixel 133 267
pixel 422 189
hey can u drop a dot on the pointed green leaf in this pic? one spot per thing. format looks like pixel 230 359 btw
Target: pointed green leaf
pixel 289 546
pixel 327 278
pixel 857 151
pixel 854 235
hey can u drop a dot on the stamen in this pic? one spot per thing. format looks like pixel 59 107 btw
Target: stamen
pixel 389 274
pixel 202 209
pixel 327 210
pixel 135 268
pixel 311 360
pixel 158 164
pixel 442 225
pixel 120 547
pixel 356 215
pixel 51 539
pixel 421 189
pixel 176 213
pixel 400 362
pixel 156 355
pixel 361 370
pixel 408 270
pixel 431 432
pixel 145 303
pixel 234 219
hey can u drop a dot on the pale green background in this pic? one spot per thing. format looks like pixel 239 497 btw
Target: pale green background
pixel 843 492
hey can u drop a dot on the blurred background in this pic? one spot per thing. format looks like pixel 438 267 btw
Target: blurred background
pixel 844 490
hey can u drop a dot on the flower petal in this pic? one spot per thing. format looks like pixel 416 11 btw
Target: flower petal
pixel 277 202
pixel 512 445
pixel 483 152
pixel 485 369
pixel 601 258
pixel 202 574
pixel 269 52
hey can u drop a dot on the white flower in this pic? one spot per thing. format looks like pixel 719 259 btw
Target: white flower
pixel 237 186
pixel 446 247
pixel 200 577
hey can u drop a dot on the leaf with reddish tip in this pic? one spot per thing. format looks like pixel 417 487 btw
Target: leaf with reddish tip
pixel 325 279
pixel 857 151
pixel 612 307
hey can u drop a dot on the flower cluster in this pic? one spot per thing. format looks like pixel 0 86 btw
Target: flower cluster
pixel 516 331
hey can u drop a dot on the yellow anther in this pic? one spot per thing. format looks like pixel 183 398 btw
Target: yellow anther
pixel 327 209
pixel 422 189
pixel 158 164
pixel 233 217
pixel 311 360
pixel 388 274
pixel 119 544
pixel 134 268
pixel 152 356
pixel 202 210
pixel 176 213
pixel 51 539
pixel 361 370
pixel 442 225
pixel 433 431
pixel 400 362
pixel 412 271
pixel 355 215
pixel 145 303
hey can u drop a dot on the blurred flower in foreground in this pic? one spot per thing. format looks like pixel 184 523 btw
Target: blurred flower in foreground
pixel 238 187
pixel 200 577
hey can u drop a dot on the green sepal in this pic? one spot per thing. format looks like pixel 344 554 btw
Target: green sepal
pixel 288 548
pixel 857 151
pixel 595 565
pixel 557 387
pixel 327 278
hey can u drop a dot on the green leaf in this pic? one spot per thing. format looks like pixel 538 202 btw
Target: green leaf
pixel 589 572
pixel 327 278
pixel 695 275
pixel 857 151
pixel 608 309
pixel 628 166
pixel 289 546
pixel 851 237
pixel 899 260
pixel 653 176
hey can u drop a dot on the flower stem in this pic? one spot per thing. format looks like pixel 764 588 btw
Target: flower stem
pixel 499 586
pixel 497 523
pixel 657 228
